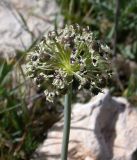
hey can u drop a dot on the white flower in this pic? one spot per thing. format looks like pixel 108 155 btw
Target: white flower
pixel 69 54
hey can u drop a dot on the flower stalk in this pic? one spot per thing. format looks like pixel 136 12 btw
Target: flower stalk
pixel 67 123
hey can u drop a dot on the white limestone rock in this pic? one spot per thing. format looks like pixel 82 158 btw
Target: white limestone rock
pixel 103 129
pixel 39 15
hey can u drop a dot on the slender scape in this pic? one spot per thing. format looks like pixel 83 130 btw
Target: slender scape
pixel 67 122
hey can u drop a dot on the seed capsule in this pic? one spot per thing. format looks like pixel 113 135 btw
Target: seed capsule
pixel 44 57
pixel 51 34
pixel 74 50
pixel 95 46
pixel 94 61
pixel 39 79
pixel 34 57
pixel 72 60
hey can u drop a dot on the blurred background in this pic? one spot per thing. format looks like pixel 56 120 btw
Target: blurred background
pixel 25 116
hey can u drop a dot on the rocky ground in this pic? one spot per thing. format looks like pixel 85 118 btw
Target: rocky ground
pixel 103 129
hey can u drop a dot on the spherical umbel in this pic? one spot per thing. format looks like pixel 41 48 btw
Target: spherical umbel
pixel 67 54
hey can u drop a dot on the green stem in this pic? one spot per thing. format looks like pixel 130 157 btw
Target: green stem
pixel 67 120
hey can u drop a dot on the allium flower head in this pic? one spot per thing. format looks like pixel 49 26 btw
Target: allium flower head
pixel 68 55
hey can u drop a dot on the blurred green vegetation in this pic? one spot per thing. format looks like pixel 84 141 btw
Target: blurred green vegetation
pixel 24 115
pixel 99 15
pixel 14 115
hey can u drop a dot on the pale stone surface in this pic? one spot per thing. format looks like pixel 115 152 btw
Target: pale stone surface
pixel 103 129
pixel 39 16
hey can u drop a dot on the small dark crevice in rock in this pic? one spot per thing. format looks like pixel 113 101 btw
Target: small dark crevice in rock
pixel 134 156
